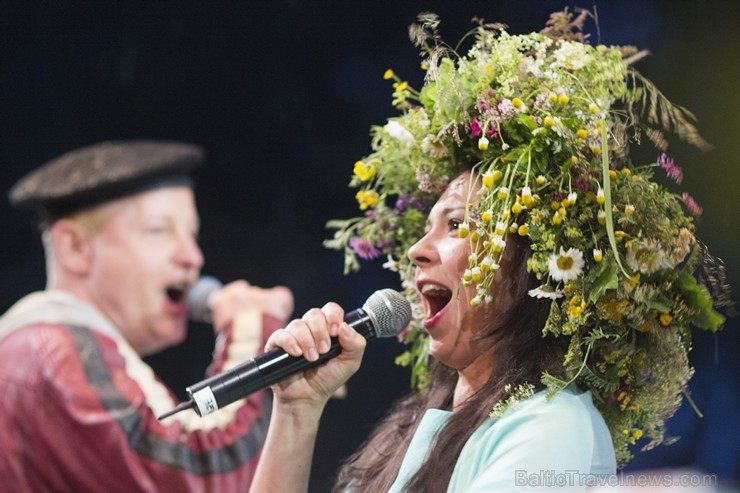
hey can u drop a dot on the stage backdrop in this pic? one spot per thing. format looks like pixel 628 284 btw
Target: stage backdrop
pixel 282 95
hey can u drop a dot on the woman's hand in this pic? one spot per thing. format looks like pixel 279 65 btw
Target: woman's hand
pixel 309 337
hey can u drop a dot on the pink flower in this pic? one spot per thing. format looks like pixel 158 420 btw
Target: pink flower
pixel 363 248
pixel 691 204
pixel 672 170
pixel 475 128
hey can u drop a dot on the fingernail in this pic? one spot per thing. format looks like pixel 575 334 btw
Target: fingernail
pixel 334 330
pixel 312 354
pixel 323 346
pixel 346 330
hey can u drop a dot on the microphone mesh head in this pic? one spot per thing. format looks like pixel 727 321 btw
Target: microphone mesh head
pixel 389 310
pixel 199 297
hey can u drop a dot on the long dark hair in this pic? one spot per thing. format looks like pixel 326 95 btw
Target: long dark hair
pixel 521 355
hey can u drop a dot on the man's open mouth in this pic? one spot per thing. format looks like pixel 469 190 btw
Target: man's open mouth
pixel 176 292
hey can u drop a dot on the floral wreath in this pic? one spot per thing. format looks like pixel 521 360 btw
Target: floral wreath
pixel 546 119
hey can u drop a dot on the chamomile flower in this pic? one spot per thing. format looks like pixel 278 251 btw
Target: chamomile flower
pixel 566 265
pixel 545 292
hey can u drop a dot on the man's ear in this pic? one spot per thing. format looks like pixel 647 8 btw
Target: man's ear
pixel 73 247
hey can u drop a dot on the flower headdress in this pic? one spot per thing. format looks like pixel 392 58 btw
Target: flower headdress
pixel 545 121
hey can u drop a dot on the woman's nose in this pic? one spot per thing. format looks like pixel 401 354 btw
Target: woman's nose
pixel 422 252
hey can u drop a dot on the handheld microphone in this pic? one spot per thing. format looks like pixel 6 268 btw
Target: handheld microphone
pixel 385 313
pixel 200 297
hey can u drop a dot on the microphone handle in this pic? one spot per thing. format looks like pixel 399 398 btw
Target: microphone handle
pixel 265 369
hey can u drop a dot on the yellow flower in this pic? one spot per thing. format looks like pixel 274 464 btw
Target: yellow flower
pixel 600 196
pixel 489 178
pixel 388 74
pixel 601 217
pixel 553 97
pixel 498 244
pixel 629 209
pixel 598 256
pixel 612 174
pixel 367 198
pixel 540 180
pixel 576 305
pixel 557 219
pixel 548 122
pixel 516 102
pixel 581 134
pixel 364 171
pixel 631 282
pixel 527 196
pixel 487 215
pixel 500 228
pixel 516 208
pixel 463 230
pixel 563 99
pixel 502 193
pixel 665 319
pixel 523 230
pixel 483 143
pixel 637 434
pixel 593 109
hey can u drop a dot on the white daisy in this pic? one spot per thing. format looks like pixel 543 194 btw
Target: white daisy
pixel 648 257
pixel 566 265
pixel 399 132
pixel 391 264
pixel 545 292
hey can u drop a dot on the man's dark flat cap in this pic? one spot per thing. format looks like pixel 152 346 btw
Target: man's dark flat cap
pixel 102 172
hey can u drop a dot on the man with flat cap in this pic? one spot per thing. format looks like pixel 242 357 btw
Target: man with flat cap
pixel 79 406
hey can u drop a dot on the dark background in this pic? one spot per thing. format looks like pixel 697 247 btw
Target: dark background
pixel 282 94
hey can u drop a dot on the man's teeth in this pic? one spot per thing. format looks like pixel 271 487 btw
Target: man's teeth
pixel 176 291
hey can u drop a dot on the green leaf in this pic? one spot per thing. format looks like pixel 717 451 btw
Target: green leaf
pixel 602 278
pixel 698 297
pixel 528 121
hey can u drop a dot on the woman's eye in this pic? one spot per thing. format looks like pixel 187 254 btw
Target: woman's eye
pixel 454 224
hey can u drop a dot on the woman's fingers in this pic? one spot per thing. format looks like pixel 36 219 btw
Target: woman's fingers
pixel 311 335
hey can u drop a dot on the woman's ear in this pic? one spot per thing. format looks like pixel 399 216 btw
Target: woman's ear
pixel 72 244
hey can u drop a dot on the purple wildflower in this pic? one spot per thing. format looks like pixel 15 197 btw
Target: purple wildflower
pixel 475 128
pixel 363 248
pixel 403 203
pixel 672 170
pixel 691 204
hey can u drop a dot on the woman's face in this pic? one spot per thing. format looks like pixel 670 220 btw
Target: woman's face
pixel 441 258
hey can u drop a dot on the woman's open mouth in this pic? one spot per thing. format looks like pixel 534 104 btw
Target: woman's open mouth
pixel 437 297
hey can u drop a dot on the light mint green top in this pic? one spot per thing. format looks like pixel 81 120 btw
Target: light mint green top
pixel 535 445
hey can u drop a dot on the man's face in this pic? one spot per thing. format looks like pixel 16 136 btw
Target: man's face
pixel 145 257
